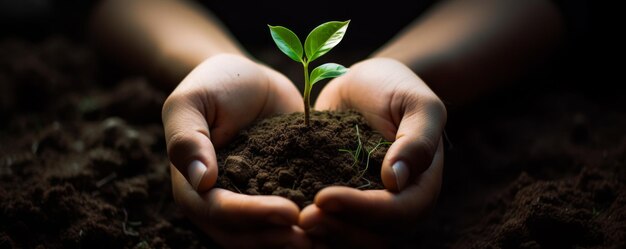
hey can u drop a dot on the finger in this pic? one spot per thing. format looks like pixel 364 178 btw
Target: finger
pixel 310 216
pixel 236 210
pixel 416 141
pixel 256 228
pixel 232 211
pixel 383 207
pixel 188 145
pixel 327 230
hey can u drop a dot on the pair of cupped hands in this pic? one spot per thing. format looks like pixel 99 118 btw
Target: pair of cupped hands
pixel 226 93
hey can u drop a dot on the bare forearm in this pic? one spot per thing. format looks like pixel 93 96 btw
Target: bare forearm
pixel 163 38
pixel 463 48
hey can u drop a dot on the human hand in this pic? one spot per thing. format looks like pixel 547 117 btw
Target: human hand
pixel 218 98
pixel 403 109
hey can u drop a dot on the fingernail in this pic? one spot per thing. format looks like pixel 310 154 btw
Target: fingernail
pixel 402 173
pixel 195 172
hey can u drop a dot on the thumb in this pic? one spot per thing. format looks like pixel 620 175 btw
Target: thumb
pixel 416 143
pixel 187 136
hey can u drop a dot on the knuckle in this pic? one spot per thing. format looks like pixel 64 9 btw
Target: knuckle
pixel 178 142
pixel 169 105
pixel 437 106
pixel 427 146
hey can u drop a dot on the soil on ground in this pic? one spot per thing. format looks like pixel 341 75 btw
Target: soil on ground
pixel 83 163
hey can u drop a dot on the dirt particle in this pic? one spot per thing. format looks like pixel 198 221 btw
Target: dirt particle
pixel 295 195
pixel 269 187
pixel 238 169
pixel 286 178
pixel 262 177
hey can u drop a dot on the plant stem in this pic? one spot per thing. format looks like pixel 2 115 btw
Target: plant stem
pixel 307 93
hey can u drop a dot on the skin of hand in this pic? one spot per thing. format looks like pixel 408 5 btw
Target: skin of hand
pixel 219 97
pixel 397 103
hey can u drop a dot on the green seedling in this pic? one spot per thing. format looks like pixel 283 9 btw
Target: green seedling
pixel 358 154
pixel 321 40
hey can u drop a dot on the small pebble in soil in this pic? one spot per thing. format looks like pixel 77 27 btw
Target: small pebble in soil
pixel 238 169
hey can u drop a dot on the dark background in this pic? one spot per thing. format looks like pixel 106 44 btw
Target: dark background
pixel 583 60
pixel 587 62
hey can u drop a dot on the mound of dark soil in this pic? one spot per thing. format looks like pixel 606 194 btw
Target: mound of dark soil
pixel 282 156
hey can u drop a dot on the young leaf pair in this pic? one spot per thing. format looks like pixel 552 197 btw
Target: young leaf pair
pixel 321 40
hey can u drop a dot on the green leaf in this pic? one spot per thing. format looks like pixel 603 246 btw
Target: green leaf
pixel 287 42
pixel 325 71
pixel 323 38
